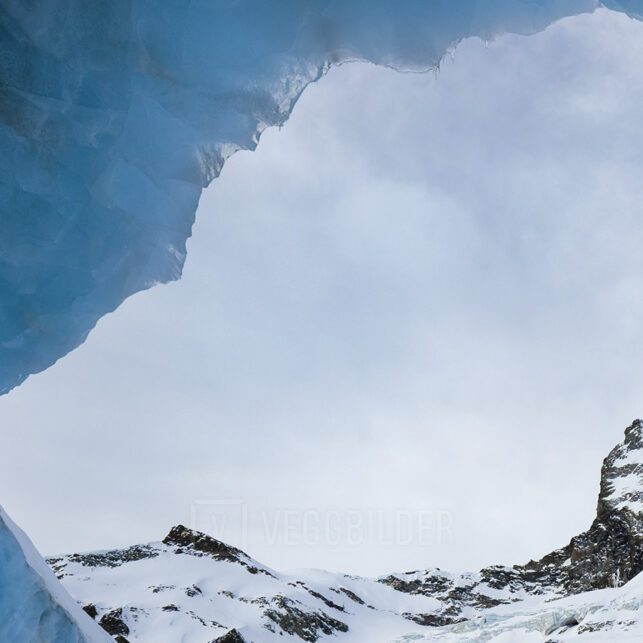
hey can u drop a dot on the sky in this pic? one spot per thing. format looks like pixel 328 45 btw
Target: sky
pixel 407 334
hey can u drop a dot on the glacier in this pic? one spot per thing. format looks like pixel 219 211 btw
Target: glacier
pixel 34 607
pixel 115 115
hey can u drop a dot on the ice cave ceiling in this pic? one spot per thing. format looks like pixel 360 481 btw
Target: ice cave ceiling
pixel 115 115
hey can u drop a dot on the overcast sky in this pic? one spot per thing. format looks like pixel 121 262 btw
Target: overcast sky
pixel 408 332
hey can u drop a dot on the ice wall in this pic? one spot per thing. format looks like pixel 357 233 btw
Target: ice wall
pixel 115 115
pixel 34 606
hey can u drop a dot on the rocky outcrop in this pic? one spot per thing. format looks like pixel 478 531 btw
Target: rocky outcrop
pixel 230 637
pixel 113 623
pixel 307 625
pixel 111 558
pixel 608 554
pixel 188 541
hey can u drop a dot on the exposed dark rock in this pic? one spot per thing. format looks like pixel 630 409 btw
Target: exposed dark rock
pixel 455 591
pixel 156 589
pixel 204 622
pixel 595 627
pixel 230 637
pixel 609 553
pixel 289 616
pixel 188 541
pixel 325 600
pixel 112 558
pixel 90 609
pixel 195 541
pixel 113 623
pixel 432 620
pixel 414 583
pixel 170 608
pixel 354 597
pixel 193 591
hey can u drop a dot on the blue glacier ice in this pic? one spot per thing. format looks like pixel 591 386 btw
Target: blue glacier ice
pixel 34 606
pixel 114 115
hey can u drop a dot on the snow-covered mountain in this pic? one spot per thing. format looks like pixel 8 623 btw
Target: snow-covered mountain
pixel 195 589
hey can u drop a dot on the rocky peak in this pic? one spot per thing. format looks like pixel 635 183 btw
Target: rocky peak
pixel 622 476
pixel 190 541
pixel 196 543
pixel 609 553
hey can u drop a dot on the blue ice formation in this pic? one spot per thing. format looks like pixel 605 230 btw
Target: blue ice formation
pixel 114 115
pixel 34 606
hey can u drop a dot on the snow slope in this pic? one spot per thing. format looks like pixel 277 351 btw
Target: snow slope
pixel 195 589
pixel 34 607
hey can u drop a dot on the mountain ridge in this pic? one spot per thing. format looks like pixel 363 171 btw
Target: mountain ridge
pixel 195 588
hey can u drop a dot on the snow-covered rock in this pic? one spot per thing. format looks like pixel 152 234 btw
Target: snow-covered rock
pixel 609 553
pixel 34 607
pixel 612 615
pixel 195 589
pixel 622 476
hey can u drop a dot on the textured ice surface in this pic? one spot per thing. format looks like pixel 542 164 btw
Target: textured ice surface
pixel 115 115
pixel 603 616
pixel 34 607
